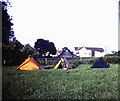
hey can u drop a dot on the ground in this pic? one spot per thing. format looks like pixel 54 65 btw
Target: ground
pixel 82 82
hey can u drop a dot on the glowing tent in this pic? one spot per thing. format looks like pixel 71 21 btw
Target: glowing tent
pixel 30 64
pixel 100 63
pixel 63 63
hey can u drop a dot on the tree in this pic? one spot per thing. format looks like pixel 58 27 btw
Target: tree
pixel 12 54
pixel 45 47
pixel 27 50
pixel 51 48
pixel 7 31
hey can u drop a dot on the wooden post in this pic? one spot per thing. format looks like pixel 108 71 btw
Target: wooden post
pixel 45 61
pixel 80 59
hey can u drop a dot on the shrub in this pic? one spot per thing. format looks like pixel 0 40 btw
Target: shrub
pixel 108 59
pixel 77 61
pixel 112 59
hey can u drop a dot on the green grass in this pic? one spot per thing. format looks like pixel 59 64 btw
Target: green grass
pixel 82 82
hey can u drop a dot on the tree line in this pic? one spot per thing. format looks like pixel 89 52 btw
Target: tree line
pixel 13 52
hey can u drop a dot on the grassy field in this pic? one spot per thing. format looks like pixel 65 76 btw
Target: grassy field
pixel 82 82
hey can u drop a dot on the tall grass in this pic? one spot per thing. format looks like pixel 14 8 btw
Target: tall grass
pixel 82 82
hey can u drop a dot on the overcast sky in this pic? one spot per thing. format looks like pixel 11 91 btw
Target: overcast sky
pixel 67 23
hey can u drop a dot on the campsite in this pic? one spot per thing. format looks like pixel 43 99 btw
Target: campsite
pixel 61 54
pixel 81 82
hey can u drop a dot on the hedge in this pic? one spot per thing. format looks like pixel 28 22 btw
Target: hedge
pixel 77 61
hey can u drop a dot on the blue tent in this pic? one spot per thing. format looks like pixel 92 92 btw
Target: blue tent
pixel 100 63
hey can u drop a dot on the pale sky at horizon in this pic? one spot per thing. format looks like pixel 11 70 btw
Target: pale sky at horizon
pixel 69 24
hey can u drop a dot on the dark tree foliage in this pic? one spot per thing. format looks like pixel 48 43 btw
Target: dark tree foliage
pixel 45 48
pixel 12 53
pixel 15 53
pixel 27 50
pixel 7 31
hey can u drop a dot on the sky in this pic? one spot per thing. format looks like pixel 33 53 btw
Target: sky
pixel 67 23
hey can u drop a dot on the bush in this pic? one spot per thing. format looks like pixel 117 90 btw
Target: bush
pixel 77 61
pixel 91 60
pixel 53 61
pixel 108 59
pixel 112 59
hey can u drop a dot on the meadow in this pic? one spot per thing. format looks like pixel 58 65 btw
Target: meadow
pixel 82 82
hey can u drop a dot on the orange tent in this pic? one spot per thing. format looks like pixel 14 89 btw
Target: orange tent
pixel 30 64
